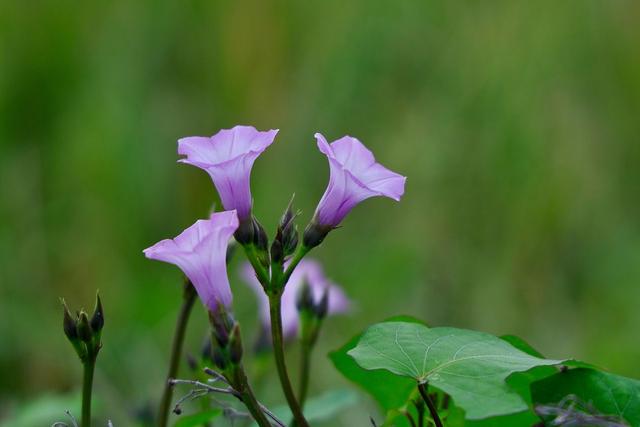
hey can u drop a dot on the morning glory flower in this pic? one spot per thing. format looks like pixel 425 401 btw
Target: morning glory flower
pixel 200 251
pixel 228 157
pixel 308 272
pixel 354 177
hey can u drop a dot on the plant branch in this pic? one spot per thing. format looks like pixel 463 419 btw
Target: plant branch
pixel 188 299
pixel 87 386
pixel 422 388
pixel 278 350
pixel 206 388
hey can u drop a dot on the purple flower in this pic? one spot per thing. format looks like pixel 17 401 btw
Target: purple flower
pixel 200 251
pixel 309 272
pixel 354 177
pixel 228 157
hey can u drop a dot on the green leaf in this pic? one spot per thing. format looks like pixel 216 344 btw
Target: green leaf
pixel 198 419
pixel 521 345
pixel 470 366
pixel 389 391
pixel 609 394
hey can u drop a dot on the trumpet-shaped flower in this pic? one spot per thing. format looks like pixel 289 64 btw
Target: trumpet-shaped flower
pixel 354 177
pixel 228 157
pixel 308 272
pixel 200 252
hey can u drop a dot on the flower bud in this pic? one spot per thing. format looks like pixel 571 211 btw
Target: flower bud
pixel 235 345
pixel 322 306
pixel 277 254
pixel 304 302
pixel 69 324
pixel 84 327
pixel 97 320
pixel 287 233
pixel 261 242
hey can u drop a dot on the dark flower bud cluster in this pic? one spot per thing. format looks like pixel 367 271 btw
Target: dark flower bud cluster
pixel 226 346
pixel 83 332
pixel 286 240
pixel 311 312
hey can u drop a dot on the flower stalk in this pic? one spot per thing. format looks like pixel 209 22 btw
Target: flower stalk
pixel 188 300
pixel 278 351
pixel 422 388
pixel 85 335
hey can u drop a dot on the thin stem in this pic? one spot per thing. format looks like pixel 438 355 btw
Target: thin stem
pixel 295 260
pixel 188 299
pixel 419 404
pixel 278 350
pixel 241 384
pixel 261 273
pixel 409 418
pixel 422 388
pixel 305 365
pixel 87 386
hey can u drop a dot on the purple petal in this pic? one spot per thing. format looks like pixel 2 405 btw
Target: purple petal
pixel 354 176
pixel 200 252
pixel 228 157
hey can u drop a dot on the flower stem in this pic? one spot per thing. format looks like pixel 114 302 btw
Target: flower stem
pixel 87 386
pixel 188 299
pixel 241 384
pixel 305 365
pixel 278 350
pixel 422 388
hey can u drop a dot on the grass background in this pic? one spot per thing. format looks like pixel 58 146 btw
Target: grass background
pixel 517 124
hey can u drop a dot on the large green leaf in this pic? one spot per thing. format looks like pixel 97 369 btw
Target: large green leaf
pixel 390 391
pixel 470 366
pixel 607 393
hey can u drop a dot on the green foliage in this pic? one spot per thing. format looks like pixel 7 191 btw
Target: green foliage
pixel 199 419
pixel 469 366
pixel 44 411
pixel 607 393
pixel 321 408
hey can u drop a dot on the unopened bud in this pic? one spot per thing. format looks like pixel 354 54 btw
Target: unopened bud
pixel 277 254
pixel 304 302
pixel 290 238
pixel 287 232
pixel 322 306
pixel 97 320
pixel 84 327
pixel 235 345
pixel 260 238
pixel 69 324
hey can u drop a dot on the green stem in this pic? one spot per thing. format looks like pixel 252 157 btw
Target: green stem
pixel 305 365
pixel 422 388
pixel 188 299
pixel 87 386
pixel 297 257
pixel 261 273
pixel 278 350
pixel 241 384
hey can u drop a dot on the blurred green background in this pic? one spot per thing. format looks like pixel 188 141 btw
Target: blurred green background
pixel 517 124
